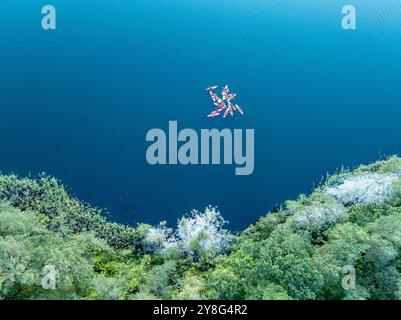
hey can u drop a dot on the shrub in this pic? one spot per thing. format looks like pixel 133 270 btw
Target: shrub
pixel 200 234
pixel 67 215
pixel 27 249
pixel 318 214
pixel 366 188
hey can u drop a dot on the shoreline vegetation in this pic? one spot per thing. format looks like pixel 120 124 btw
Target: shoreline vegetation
pixel 342 241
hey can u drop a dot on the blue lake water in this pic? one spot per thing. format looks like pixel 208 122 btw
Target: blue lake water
pixel 78 101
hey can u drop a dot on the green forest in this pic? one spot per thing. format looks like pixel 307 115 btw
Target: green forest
pixel 341 241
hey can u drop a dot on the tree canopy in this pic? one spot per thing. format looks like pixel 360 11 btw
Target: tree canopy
pixel 342 241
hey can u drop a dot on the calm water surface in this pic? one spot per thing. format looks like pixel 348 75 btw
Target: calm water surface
pixel 77 102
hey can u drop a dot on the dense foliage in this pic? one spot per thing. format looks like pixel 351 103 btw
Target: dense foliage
pixel 343 241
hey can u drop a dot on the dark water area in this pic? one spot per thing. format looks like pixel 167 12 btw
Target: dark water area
pixel 77 102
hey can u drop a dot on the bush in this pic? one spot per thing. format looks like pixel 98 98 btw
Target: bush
pixel 365 188
pixel 299 251
pixel 67 215
pixel 200 234
pixel 28 251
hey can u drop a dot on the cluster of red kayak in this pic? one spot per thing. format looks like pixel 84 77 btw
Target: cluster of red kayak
pixel 224 103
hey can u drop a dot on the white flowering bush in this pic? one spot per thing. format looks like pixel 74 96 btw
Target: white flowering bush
pixel 200 233
pixel 365 188
pixel 203 233
pixel 318 216
pixel 158 238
